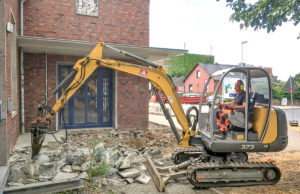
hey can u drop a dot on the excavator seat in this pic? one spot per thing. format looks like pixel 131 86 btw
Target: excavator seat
pixel 238 131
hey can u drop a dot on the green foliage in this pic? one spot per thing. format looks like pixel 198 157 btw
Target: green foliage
pixel 262 88
pixel 264 14
pixel 99 169
pixel 297 79
pixel 96 168
pixel 182 65
pixel 281 92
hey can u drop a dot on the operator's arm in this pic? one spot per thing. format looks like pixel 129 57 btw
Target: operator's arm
pixel 234 106
pixel 239 102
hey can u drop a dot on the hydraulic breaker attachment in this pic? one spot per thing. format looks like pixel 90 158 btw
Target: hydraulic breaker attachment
pixel 161 175
pixel 39 128
pixel 37 138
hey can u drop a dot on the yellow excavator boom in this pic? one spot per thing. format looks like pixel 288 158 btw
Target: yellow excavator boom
pixel 155 74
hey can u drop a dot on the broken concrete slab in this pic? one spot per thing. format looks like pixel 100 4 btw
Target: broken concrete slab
pixel 65 175
pixel 119 162
pixel 144 179
pixel 86 153
pixel 129 180
pixel 47 169
pixel 59 165
pixel 16 175
pixel 29 170
pixel 83 175
pixel 86 166
pixel 76 168
pixel 102 155
pixel 125 164
pixel 67 168
pixel 13 184
pixel 142 167
pixel 131 173
pixel 44 178
pixel 41 159
pixel 75 158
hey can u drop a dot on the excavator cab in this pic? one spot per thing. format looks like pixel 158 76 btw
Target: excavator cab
pixel 256 128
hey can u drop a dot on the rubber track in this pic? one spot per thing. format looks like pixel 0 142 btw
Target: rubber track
pixel 183 151
pixel 232 165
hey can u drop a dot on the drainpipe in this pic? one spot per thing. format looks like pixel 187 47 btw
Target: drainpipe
pixel 46 84
pixel 21 16
pixel 22 69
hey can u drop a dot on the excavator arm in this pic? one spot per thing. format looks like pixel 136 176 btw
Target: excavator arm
pixel 155 74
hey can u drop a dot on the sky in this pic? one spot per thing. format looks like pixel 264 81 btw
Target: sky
pixel 203 26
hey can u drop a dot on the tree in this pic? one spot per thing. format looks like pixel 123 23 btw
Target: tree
pixel 181 65
pixel 297 79
pixel 264 14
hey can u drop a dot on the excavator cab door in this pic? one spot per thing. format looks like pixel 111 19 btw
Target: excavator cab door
pixel 236 130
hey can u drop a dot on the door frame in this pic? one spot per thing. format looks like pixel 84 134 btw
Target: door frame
pixel 99 123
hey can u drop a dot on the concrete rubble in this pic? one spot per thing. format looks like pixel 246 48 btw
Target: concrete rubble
pixel 132 173
pixel 143 178
pixel 122 151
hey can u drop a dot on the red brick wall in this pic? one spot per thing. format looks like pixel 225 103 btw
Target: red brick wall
pixel 198 83
pixel 35 82
pixel 125 22
pixel 269 70
pixel 132 101
pixel 119 21
pixel 13 124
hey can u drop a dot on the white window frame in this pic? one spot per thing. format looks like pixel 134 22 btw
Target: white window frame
pixel 198 74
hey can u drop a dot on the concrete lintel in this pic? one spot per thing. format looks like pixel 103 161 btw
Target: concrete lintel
pixel 81 48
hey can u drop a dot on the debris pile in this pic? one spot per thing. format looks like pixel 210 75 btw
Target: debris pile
pixel 124 152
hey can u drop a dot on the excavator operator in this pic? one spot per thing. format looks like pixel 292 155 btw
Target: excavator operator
pixel 233 112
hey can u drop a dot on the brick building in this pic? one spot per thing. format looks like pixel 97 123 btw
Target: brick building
pixel 39 43
pixel 194 82
pixel 196 79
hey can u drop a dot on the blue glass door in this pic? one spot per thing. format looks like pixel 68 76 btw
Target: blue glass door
pixel 91 105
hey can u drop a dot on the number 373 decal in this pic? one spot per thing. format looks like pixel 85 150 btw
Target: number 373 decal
pixel 247 147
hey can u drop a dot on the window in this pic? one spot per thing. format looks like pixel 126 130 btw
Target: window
pixel 190 87
pixel 88 107
pixel 198 74
pixel 87 7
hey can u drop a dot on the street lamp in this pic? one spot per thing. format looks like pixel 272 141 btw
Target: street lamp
pixel 244 42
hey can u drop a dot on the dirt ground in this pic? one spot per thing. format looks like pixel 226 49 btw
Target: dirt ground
pixel 297 129
pixel 162 138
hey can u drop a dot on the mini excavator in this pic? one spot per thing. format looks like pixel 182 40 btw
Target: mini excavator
pixel 204 159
